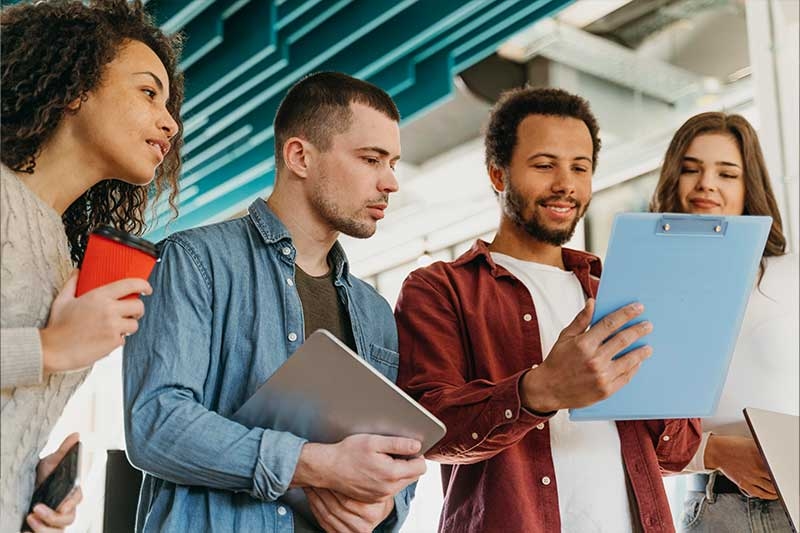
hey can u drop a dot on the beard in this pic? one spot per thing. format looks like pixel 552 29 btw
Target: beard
pixel 354 225
pixel 515 205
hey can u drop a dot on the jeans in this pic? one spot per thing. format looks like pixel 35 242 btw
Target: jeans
pixel 735 513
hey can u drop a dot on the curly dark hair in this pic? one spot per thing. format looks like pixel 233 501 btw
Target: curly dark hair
pixel 56 52
pixel 516 104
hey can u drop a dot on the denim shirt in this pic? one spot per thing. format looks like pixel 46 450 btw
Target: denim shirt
pixel 223 316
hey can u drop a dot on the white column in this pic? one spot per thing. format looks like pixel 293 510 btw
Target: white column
pixel 772 27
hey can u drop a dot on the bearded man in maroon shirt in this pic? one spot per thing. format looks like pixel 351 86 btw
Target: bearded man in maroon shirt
pixel 497 344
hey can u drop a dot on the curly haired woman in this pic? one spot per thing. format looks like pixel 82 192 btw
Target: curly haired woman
pixel 90 128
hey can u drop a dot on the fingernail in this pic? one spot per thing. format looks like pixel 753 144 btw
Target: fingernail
pixel 39 508
pixel 638 307
pixel 648 327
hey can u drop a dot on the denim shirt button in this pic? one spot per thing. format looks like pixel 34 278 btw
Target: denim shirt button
pixel 286 250
pixel 292 336
pixel 282 510
pixel 290 282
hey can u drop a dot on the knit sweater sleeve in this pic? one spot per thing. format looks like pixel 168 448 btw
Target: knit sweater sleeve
pixel 20 347
pixel 20 357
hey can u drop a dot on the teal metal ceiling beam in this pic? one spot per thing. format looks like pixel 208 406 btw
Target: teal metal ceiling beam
pixel 254 106
pixel 434 84
pixel 415 66
pixel 204 33
pixel 289 11
pixel 463 51
pixel 254 37
pixel 172 15
pixel 427 88
pixel 307 53
pixel 475 50
pixel 219 74
pixel 261 118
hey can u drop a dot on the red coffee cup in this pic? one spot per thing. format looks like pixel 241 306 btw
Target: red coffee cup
pixel 112 255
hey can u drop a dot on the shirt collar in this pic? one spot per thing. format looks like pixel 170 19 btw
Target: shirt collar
pixel 273 231
pixel 574 260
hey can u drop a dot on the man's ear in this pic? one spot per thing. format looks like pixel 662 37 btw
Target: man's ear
pixel 497 177
pixel 298 155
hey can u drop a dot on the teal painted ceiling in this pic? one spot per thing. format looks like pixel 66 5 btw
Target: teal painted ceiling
pixel 241 56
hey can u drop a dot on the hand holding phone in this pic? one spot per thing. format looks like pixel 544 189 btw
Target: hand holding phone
pixel 56 496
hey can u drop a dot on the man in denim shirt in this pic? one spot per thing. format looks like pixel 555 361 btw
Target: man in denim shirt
pixel 226 312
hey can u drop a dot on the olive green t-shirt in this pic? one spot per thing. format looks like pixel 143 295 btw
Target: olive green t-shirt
pixel 322 309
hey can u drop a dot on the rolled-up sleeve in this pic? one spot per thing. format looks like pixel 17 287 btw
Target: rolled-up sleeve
pixel 402 506
pixel 170 433
pixel 676 441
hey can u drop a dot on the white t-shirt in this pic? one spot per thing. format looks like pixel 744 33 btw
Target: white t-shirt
pixel 764 368
pixel 587 457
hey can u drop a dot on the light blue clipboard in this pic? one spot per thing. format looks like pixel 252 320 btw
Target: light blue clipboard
pixel 694 275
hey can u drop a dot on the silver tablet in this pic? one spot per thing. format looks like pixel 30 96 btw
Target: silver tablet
pixel 325 392
pixel 776 435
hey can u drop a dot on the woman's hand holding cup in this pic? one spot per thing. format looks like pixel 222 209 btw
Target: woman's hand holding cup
pixel 81 330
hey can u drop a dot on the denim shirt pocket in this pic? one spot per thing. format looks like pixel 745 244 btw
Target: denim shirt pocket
pixel 384 361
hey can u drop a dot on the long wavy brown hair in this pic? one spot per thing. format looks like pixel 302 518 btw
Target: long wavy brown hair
pixel 56 52
pixel 758 196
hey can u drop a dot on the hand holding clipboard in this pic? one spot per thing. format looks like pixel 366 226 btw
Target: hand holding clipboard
pixel 583 367
pixel 694 275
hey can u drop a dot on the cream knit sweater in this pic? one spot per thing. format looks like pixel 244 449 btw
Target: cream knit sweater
pixel 35 265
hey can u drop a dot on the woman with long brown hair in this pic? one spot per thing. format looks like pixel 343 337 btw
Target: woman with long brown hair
pixel 714 166
pixel 90 131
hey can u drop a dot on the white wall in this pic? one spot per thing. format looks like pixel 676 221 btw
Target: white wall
pixel 773 27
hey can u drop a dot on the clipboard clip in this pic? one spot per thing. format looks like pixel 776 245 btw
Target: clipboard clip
pixel 697 225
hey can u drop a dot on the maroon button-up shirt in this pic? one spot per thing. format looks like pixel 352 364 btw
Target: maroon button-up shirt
pixel 468 332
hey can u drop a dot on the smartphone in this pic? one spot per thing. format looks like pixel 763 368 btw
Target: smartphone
pixel 57 486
